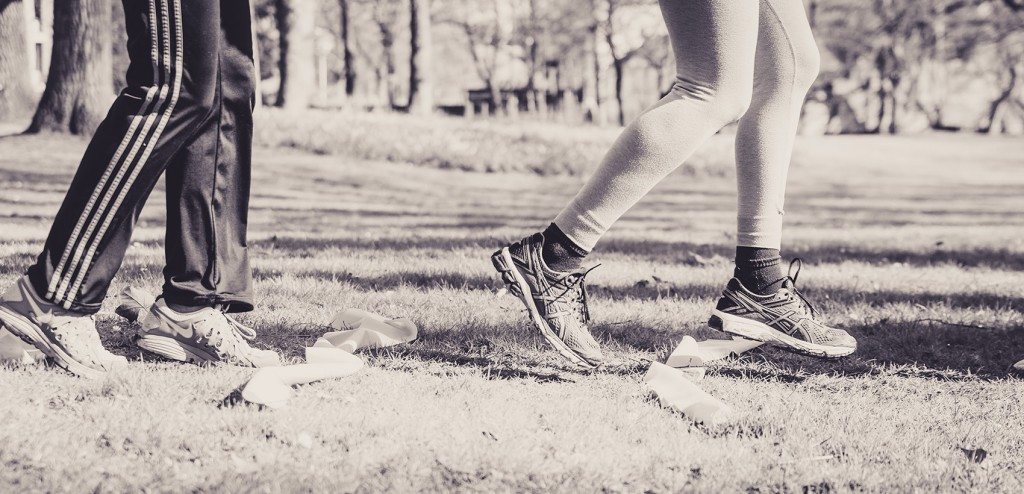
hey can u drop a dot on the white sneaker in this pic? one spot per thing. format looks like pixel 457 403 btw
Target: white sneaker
pixel 69 339
pixel 207 335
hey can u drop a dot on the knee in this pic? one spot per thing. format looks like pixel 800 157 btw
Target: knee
pixel 806 65
pixel 725 102
pixel 731 104
pixel 198 101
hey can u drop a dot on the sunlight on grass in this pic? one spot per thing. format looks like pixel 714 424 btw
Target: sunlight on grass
pixel 915 253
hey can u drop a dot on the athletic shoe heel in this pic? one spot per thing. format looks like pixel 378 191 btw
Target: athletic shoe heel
pixel 500 263
pixel 715 323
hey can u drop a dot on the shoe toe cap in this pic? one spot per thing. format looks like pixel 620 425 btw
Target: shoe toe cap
pixel 115 362
pixel 845 340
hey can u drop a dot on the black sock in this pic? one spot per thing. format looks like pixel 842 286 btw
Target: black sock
pixel 759 269
pixel 560 253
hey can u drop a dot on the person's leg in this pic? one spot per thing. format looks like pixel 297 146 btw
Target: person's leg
pixel 762 302
pixel 169 93
pixel 207 272
pixel 208 186
pixel 171 90
pixel 786 65
pixel 714 43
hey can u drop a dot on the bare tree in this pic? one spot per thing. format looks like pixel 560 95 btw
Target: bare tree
pixel 384 14
pixel 592 69
pixel 487 38
pixel 421 100
pixel 1005 33
pixel 296 24
pixel 532 30
pixel 79 86
pixel 346 46
pixel 621 52
pixel 16 95
pixel 658 56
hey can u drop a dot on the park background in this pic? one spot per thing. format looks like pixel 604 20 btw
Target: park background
pixel 410 138
pixel 887 66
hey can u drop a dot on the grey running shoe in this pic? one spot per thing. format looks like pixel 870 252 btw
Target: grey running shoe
pixel 1019 367
pixel 207 335
pixel 69 339
pixel 557 302
pixel 785 318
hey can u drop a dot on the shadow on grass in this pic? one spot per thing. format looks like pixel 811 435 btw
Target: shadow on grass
pixel 905 348
pixel 644 291
pixel 676 252
pixel 919 347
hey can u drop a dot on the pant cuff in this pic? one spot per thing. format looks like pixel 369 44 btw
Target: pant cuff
pixel 580 227
pixel 233 303
pixel 40 287
pixel 759 231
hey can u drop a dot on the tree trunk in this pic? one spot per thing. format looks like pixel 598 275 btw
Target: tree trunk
pixel 387 42
pixel 1004 96
pixel 119 45
pixel 16 94
pixel 894 104
pixel 881 65
pixel 346 49
pixel 496 99
pixel 79 86
pixel 296 23
pixel 592 79
pixel 421 100
pixel 619 67
pixel 533 52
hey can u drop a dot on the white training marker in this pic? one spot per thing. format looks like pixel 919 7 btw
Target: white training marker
pixel 712 350
pixel 12 349
pixel 331 357
pixel 359 329
pixel 686 354
pixel 677 392
pixel 1019 366
pixel 272 386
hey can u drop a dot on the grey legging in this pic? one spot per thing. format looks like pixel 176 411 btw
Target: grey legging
pixel 751 60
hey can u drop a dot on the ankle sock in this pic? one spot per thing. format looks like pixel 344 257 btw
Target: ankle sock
pixel 759 269
pixel 559 252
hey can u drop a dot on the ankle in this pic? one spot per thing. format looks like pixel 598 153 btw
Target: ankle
pixel 559 252
pixel 759 269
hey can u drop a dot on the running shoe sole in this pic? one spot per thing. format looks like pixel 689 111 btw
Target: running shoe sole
pixel 516 284
pixel 759 331
pixel 21 327
pixel 173 349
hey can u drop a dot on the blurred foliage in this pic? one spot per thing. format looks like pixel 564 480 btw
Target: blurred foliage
pixel 480 145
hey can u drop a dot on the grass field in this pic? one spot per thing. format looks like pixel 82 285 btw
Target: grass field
pixel 913 244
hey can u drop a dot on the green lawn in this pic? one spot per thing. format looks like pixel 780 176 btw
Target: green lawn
pixel 913 244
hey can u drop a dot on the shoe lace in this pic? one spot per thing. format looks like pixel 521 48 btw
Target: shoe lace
pixel 574 290
pixel 792 276
pixel 227 335
pixel 79 333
